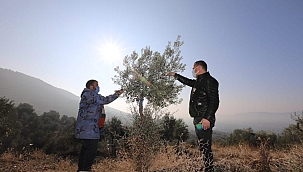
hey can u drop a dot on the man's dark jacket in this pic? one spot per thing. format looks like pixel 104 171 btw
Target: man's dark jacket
pixel 204 97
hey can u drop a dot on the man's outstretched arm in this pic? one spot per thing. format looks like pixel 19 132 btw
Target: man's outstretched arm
pixel 182 79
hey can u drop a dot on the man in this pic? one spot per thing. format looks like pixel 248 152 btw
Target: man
pixel 87 128
pixel 203 104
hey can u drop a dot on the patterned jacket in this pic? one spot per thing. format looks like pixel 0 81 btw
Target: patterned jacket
pixel 90 110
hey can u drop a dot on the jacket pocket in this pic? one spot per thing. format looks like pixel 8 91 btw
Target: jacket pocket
pixel 201 104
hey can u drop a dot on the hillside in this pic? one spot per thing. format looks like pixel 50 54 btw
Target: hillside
pixel 42 96
pixel 271 122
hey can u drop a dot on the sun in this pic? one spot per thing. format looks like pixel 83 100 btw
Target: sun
pixel 110 51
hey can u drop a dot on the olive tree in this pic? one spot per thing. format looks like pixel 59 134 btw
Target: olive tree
pixel 145 77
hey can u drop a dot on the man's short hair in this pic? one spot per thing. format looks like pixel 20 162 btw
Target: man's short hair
pixel 202 63
pixel 90 82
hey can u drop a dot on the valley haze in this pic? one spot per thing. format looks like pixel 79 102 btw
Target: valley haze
pixel 44 97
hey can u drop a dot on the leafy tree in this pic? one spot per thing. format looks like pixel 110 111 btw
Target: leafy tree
pixel 25 109
pixel 261 134
pixel 29 119
pixel 22 129
pixel 67 126
pixel 42 130
pixel 58 133
pixel 269 137
pixel 299 120
pixel 290 135
pixel 50 121
pixel 65 120
pixel 293 133
pixel 173 129
pixel 181 131
pixel 145 76
pixel 7 116
pixel 113 131
pixel 144 139
pixel 63 140
pixel 246 136
pixel 114 127
pixel 168 127
pixel 9 125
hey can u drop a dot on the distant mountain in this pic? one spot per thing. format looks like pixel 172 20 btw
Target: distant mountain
pixel 42 96
pixel 270 122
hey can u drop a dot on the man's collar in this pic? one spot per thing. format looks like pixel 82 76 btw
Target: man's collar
pixel 202 75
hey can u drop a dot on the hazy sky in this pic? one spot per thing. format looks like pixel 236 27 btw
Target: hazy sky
pixel 253 48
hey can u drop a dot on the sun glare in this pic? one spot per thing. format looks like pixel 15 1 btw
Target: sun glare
pixel 110 52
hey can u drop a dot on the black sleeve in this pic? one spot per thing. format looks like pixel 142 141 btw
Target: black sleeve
pixel 213 95
pixel 184 80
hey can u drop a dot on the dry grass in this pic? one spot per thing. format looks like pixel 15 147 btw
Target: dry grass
pixel 245 158
pixel 35 161
pixel 233 159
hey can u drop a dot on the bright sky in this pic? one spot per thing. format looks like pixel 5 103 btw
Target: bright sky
pixel 253 48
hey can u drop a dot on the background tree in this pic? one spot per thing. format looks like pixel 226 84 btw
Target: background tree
pixel 10 127
pixel 173 129
pixel 299 120
pixel 48 132
pixel 181 130
pixel 46 128
pixel 114 131
pixel 114 127
pixel 25 109
pixel 293 133
pixel 29 120
pixel 269 138
pixel 61 135
pixel 242 136
pixel 168 127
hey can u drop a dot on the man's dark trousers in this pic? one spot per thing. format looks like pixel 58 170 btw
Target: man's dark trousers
pixel 87 154
pixel 205 142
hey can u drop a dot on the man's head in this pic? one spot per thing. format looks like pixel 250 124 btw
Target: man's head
pixel 91 84
pixel 199 67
